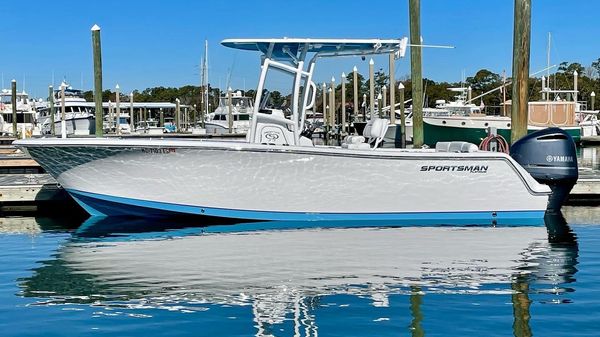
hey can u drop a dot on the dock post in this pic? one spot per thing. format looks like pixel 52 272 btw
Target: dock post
pixel 131 118
pixel 380 104
pixel 331 112
pixel 118 106
pixel 13 101
pixel 325 119
pixel 97 51
pixel 51 101
pixel 332 104
pixel 543 88
pixel 110 115
pixel 161 115
pixel 372 88
pixel 521 49
pixel 416 71
pixel 343 129
pixel 355 79
pixel 402 117
pixel 593 95
pixel 575 93
pixel 392 89
pixel 384 89
pixel 177 115
pixel 63 123
pixel 229 110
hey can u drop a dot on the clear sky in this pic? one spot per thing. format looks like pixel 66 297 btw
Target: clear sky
pixel 160 43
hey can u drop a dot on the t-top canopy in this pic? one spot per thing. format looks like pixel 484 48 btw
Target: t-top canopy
pixel 292 49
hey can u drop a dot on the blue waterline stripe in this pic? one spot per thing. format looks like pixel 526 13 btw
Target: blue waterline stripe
pixel 119 206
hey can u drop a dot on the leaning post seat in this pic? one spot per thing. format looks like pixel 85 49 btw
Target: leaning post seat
pixel 462 147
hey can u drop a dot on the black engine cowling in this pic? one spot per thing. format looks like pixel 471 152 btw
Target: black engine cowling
pixel 550 157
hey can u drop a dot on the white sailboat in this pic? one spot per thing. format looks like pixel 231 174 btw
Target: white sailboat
pixel 278 174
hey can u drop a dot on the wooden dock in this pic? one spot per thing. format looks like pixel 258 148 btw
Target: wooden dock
pixel 25 187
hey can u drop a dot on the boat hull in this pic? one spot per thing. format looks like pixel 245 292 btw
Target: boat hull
pixel 259 182
pixel 474 129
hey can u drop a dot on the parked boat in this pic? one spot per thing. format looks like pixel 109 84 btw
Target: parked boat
pixel 79 114
pixel 26 113
pixel 461 120
pixel 278 174
pixel 241 112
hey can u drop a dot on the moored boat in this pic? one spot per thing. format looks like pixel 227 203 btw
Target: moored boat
pixel 278 174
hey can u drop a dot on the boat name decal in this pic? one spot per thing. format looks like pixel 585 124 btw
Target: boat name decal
pixel 159 150
pixel 562 159
pixel 455 168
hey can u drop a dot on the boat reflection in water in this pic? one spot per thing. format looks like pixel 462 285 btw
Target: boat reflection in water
pixel 282 274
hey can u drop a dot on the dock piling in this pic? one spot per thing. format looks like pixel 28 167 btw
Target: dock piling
pixel 63 122
pixel 372 88
pixel 521 49
pixel 593 95
pixel 230 110
pixel 177 116
pixel 402 117
pixel 384 89
pixel 414 8
pixel 13 101
pixel 355 79
pixel 343 110
pixel 131 114
pixel 97 51
pixel 332 103
pixel 392 77
pixel 118 108
pixel 51 102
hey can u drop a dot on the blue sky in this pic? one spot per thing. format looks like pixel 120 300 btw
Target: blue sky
pixel 151 43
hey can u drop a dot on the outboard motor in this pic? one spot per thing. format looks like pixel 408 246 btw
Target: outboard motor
pixel 550 157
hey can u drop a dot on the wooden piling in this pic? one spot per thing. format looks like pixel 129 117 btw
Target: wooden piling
pixel 402 117
pixel 392 77
pixel 521 48
pixel 355 79
pixel 161 116
pixel 177 115
pixel 332 103
pixel 131 114
pixel 63 122
pixel 372 88
pixel 230 110
pixel 51 102
pixel 593 95
pixel 364 103
pixel 325 119
pixel 118 108
pixel 414 8
pixel 384 89
pixel 343 129
pixel 110 115
pixel 13 101
pixel 575 81
pixel 97 51
pixel 380 104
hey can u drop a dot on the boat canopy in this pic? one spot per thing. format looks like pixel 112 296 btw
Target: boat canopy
pixel 292 49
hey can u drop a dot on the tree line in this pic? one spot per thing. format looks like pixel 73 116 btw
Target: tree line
pixel 482 81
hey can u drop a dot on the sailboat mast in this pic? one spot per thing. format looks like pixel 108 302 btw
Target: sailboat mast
pixel 205 79
pixel 548 62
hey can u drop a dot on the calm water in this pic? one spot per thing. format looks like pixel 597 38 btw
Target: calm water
pixel 129 278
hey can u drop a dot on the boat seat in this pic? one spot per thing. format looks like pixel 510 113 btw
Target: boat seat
pixel 462 147
pixel 375 130
pixel 355 142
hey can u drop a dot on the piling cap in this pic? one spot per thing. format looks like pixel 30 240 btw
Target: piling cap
pixel 371 62
pixel 117 86
pixel 324 85
pixel 95 28
pixel 343 75
pixel 354 69
pixel 384 88
pixel 329 90
pixel 332 79
pixel 13 81
pixel 593 94
pixel 575 73
pixel 379 96
pixel 400 86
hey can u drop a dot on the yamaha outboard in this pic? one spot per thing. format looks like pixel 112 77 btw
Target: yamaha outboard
pixel 550 157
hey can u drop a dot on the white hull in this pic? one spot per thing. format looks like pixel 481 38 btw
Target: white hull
pixel 214 128
pixel 261 182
